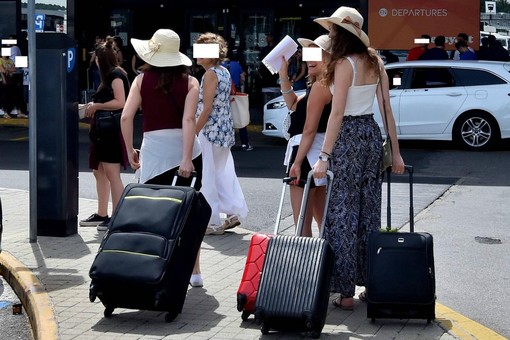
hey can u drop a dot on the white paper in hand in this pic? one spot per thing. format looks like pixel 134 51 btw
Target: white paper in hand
pixel 273 61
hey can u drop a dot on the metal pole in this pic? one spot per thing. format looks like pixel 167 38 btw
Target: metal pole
pixel 32 121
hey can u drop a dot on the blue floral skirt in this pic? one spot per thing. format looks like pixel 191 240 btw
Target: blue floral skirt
pixel 355 205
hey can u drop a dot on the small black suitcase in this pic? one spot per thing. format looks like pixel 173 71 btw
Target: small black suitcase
pixel 295 284
pixel 146 258
pixel 401 278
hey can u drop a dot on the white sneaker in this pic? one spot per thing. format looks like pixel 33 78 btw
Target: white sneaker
pixel 213 229
pixel 196 280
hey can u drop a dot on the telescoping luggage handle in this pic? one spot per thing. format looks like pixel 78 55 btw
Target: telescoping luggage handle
pixel 304 202
pixel 193 180
pixel 410 170
pixel 286 181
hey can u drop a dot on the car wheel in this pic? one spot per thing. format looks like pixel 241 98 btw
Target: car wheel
pixel 476 131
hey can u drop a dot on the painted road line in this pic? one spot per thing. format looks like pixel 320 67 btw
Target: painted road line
pixel 462 327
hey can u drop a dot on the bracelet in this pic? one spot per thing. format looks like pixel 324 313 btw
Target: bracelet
pixel 288 91
pixel 327 154
pixel 284 80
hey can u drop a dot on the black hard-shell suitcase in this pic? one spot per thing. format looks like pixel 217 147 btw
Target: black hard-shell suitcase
pixel 248 288
pixel 401 278
pixel 295 284
pixel 146 258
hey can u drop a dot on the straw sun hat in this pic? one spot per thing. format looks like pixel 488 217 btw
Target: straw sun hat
pixel 347 18
pixel 162 50
pixel 323 42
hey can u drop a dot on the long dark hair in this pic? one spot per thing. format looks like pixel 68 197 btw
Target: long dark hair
pixel 168 76
pixel 107 60
pixel 343 44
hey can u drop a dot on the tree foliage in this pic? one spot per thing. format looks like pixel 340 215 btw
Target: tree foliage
pixel 46 7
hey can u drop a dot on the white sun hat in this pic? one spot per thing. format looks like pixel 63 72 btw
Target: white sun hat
pixel 349 19
pixel 323 41
pixel 162 50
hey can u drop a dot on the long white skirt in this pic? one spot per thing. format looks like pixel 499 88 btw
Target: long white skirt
pixel 220 185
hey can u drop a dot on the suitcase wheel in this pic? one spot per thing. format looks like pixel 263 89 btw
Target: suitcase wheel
pixel 316 334
pixel 373 320
pixel 245 315
pixel 241 301
pixel 108 311
pixel 170 316
pixel 92 294
pixel 264 328
pixel 428 321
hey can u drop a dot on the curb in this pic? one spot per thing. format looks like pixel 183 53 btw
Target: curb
pixel 33 296
pixel 462 327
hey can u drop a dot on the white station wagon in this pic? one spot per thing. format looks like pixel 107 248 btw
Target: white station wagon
pixel 467 102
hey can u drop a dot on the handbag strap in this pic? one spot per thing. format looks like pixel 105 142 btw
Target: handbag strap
pixel 385 125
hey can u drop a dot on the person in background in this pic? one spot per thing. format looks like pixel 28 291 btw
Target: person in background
pixel 455 54
pixel 437 52
pixel 107 151
pixel 267 79
pixel 483 52
pixel 7 87
pixel 495 51
pixel 308 124
pixel 464 52
pixel 390 57
pixel 352 150
pixel 168 96
pixel 23 43
pixel 214 127
pixel 238 78
pixel 416 52
pixel 20 105
pixel 119 51
pixel 298 71
pixel 93 70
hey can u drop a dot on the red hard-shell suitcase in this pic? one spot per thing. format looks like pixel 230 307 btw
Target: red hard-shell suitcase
pixel 247 291
pixel 295 283
pixel 401 279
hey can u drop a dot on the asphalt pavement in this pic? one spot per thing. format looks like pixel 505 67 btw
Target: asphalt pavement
pixel 455 212
pixel 13 317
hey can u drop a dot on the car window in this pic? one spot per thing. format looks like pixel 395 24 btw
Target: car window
pixel 428 77
pixel 395 78
pixel 468 77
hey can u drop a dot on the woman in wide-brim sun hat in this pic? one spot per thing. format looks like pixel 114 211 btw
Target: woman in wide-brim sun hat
pixel 162 50
pixel 168 98
pixel 347 18
pixel 352 150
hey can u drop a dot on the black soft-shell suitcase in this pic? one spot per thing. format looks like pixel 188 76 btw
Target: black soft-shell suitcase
pixel 295 284
pixel 146 258
pixel 401 282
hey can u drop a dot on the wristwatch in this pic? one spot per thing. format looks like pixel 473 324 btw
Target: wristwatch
pixel 324 157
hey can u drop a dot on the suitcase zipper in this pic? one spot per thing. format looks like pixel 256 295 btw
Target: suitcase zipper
pixel 128 252
pixel 155 198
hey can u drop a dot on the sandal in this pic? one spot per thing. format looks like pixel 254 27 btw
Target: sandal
pixel 363 296
pixel 231 221
pixel 338 303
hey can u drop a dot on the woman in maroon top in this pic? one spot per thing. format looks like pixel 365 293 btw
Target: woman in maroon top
pixel 168 98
